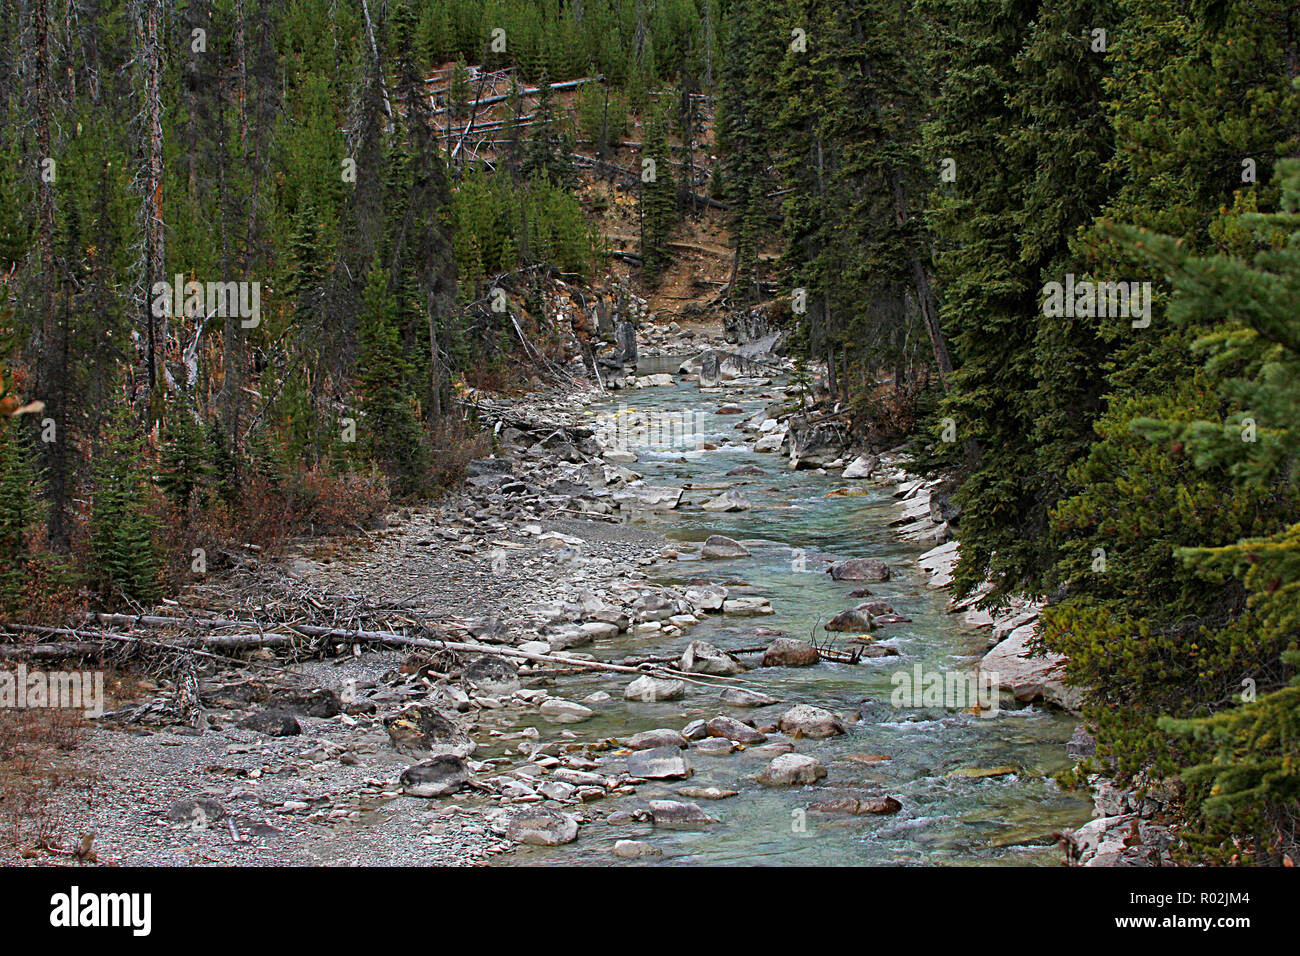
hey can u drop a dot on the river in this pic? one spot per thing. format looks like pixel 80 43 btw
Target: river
pixel 947 817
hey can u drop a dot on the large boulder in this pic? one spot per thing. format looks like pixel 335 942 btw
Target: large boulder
pixel 789 769
pixel 702 657
pixel 788 652
pixel 443 774
pixel 1029 676
pixel 804 720
pixel 860 569
pixel 720 546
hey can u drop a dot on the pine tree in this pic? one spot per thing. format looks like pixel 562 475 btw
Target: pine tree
pixel 183 460
pixel 19 511
pixel 124 557
pixel 1245 761
pixel 658 205
pixel 548 154
pixel 392 432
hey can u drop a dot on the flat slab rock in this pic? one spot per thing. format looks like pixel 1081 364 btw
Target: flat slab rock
pixel 659 763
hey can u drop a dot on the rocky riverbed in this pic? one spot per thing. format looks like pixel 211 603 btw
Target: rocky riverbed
pixel 754 591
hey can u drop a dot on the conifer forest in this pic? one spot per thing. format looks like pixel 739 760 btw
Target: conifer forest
pixel 608 433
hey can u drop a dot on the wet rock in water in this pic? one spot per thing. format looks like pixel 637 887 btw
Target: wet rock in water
pixel 492 675
pixel 861 467
pixel 421 730
pixel 740 697
pixel 891 619
pixel 716 746
pixel 854 620
pixel 879 650
pixel 540 826
pixel 562 711
pixel 983 773
pixel 435 778
pixel 651 739
pixel 774 749
pixel 860 592
pixel 649 689
pixel 654 607
pixel 717 546
pixel 706 793
pixel 728 501
pixel 747 606
pixel 790 769
pixel 702 657
pixel 733 729
pixel 675 813
pixel 858 805
pixel 788 652
pixel 199 812
pixel 876 608
pixel 860 569
pixel 730 408
pixel 804 720
pixel 635 850
pixel 696 730
pixel 273 723
pixel 708 597
pixel 746 471
pixel 660 763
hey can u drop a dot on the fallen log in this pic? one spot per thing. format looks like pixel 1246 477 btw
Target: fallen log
pixel 387 638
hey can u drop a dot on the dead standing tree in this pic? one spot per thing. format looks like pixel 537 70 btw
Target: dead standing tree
pixel 152 346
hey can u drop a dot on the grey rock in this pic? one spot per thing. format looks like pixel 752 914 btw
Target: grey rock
pixel 660 763
pixel 443 774
pixel 790 769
